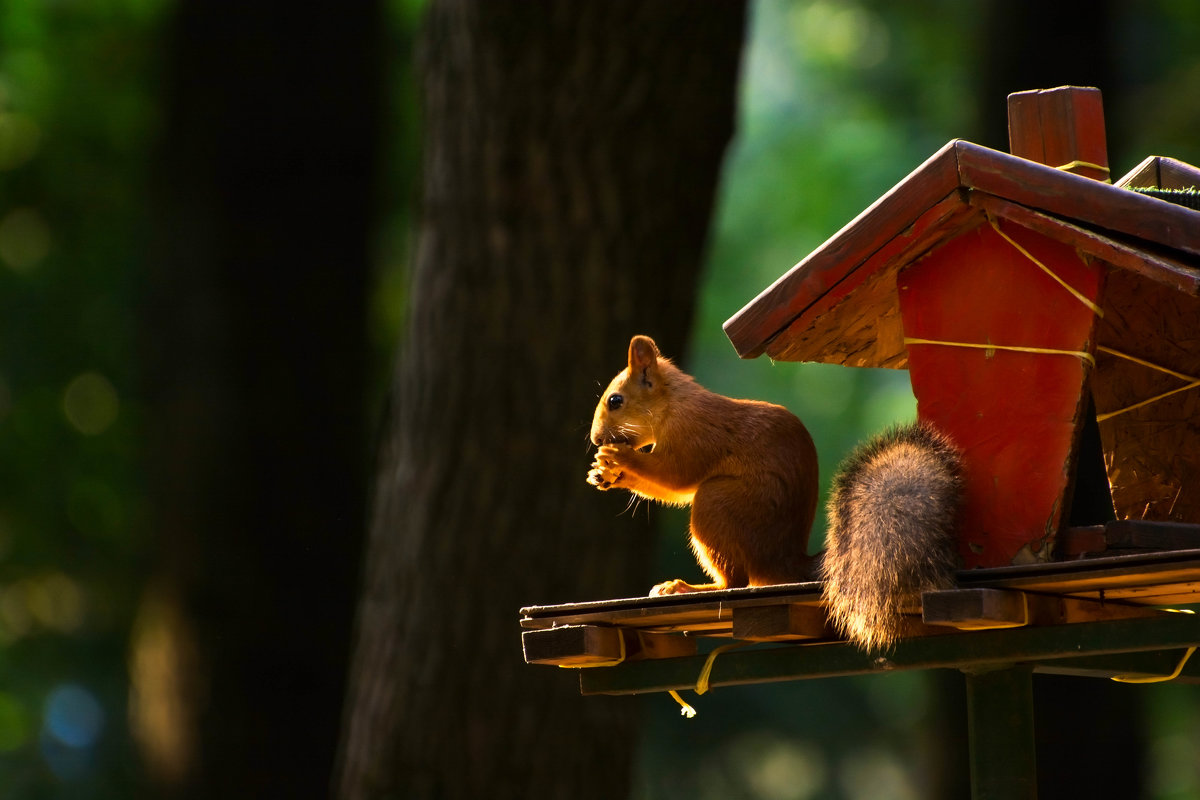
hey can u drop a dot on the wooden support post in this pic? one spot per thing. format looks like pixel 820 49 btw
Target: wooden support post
pixel 1000 728
pixel 1061 127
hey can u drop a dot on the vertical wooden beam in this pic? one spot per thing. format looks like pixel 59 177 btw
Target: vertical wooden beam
pixel 1000 730
pixel 1060 127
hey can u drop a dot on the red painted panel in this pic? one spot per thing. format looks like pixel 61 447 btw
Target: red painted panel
pixel 1015 414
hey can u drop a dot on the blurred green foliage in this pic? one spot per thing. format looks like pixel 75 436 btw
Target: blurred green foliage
pixel 840 99
pixel 78 117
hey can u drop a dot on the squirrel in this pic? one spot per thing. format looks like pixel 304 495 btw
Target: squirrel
pixel 749 470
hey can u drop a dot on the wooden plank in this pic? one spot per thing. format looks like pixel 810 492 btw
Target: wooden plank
pixel 1086 202
pixel 1049 648
pixel 1141 578
pixel 974 609
pixel 985 608
pixel 714 610
pixel 857 323
pixel 643 644
pixel 594 645
pixel 782 622
pixel 777 306
pixel 1128 534
pixel 573 646
pixel 1158 172
pixel 1180 275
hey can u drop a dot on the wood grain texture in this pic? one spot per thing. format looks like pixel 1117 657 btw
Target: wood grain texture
pixel 1058 127
pixel 1152 453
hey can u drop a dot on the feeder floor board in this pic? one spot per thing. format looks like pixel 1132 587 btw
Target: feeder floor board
pixel 1144 579
pixel 1096 616
pixel 1154 647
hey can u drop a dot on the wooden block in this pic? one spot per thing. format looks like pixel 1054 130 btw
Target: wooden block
pixel 980 609
pixel 640 645
pixel 974 609
pixel 779 622
pixel 1075 542
pixel 595 645
pixel 1058 127
pixel 573 646
pixel 1052 610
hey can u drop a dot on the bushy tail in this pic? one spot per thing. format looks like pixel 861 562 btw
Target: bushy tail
pixel 892 515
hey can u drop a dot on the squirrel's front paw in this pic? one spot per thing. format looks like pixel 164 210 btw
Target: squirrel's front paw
pixel 606 472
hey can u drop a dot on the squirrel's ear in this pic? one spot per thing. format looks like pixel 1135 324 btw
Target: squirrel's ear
pixel 643 353
pixel 643 360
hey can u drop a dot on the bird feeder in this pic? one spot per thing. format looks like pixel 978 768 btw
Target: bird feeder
pixel 1021 291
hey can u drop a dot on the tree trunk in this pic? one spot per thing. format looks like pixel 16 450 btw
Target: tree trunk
pixel 255 349
pixel 571 156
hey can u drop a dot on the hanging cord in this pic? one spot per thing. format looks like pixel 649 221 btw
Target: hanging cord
pixel 705 674
pixel 1070 165
pixel 1078 295
pixel 1192 382
pixel 701 682
pixel 1178 667
pixel 1081 354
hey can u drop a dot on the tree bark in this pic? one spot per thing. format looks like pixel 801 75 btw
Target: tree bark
pixel 571 156
pixel 255 350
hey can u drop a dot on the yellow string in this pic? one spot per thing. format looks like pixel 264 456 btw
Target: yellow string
pixel 1075 292
pixel 1145 363
pixel 702 681
pixel 1193 382
pixel 1089 164
pixel 1178 667
pixel 686 709
pixel 1080 354
pixel 1155 399
pixel 705 674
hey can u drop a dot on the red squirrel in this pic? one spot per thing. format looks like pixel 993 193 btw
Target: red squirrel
pixel 749 471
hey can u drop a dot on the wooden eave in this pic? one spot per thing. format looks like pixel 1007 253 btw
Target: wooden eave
pixel 839 304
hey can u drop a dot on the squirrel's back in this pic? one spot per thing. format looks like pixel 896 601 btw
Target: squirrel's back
pixel 893 511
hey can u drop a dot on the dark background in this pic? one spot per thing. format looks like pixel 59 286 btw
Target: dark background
pixel 248 253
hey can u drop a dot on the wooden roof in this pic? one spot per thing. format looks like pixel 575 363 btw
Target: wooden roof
pixel 839 304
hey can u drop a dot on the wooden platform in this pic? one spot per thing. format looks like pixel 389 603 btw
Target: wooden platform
pixel 1100 616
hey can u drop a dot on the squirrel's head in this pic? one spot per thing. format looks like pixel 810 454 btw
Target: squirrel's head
pixel 636 398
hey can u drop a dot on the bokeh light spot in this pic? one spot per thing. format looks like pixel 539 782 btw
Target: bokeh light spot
pixel 56 601
pixel 14 723
pixel 90 403
pixel 24 239
pixel 19 136
pixel 73 716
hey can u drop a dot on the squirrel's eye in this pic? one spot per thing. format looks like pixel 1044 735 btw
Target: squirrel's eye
pixel 615 401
